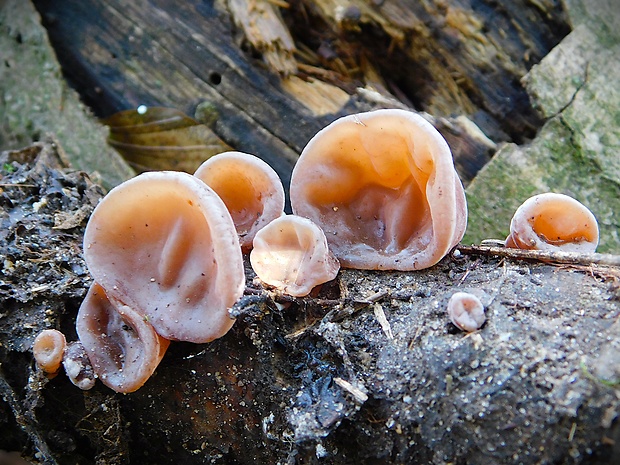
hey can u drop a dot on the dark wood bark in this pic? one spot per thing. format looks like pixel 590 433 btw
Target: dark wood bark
pixel 447 58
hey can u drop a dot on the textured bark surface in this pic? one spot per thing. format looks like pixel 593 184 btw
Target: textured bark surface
pixel 367 370
pixel 459 58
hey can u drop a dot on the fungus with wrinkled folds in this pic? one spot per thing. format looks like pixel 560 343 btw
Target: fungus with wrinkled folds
pixel 250 188
pixel 551 222
pixel 164 245
pixel 122 346
pixel 383 187
pixel 291 254
pixel 48 349
pixel 466 311
pixel 78 367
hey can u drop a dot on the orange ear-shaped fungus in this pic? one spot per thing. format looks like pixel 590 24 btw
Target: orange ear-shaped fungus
pixel 250 188
pixel 291 254
pixel 48 349
pixel 551 222
pixel 122 346
pixel 164 244
pixel 383 187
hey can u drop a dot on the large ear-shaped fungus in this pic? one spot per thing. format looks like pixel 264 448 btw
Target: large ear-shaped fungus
pixel 250 188
pixel 164 244
pixel 383 187
pixel 291 254
pixel 122 346
pixel 551 222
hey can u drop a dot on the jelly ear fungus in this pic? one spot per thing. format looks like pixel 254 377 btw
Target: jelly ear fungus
pixel 383 187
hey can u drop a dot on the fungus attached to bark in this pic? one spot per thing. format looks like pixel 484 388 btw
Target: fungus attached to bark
pixel 122 346
pixel 250 188
pixel 383 187
pixel 291 254
pixel 551 222
pixel 48 349
pixel 466 311
pixel 164 244
pixel 78 367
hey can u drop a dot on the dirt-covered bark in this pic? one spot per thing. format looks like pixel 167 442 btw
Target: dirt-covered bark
pixel 366 370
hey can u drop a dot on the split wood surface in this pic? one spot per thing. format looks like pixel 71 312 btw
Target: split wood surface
pixel 271 74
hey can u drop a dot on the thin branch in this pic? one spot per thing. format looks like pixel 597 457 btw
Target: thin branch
pixel 567 258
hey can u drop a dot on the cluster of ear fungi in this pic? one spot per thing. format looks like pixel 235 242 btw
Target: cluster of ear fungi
pixel 376 190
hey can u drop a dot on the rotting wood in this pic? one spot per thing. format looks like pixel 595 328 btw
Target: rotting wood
pixel 263 27
pixel 545 360
pixel 564 258
pixel 450 59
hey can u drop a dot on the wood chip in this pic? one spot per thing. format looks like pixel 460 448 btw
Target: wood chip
pixel 381 318
pixel 356 392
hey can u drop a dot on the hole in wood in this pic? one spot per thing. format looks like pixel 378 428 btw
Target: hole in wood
pixel 215 78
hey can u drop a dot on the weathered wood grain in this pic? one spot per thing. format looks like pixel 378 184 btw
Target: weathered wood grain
pixel 456 58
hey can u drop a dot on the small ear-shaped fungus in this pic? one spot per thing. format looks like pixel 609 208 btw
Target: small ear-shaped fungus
pixel 383 187
pixel 48 349
pixel 466 311
pixel 551 222
pixel 78 367
pixel 291 254
pixel 250 188
pixel 164 244
pixel 122 346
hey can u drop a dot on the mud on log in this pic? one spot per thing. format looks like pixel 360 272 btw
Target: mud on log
pixel 368 370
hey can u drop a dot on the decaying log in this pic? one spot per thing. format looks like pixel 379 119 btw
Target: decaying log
pixel 368 369
pixel 450 59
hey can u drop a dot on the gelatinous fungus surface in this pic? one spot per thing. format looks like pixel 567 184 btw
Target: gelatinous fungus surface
pixel 383 187
pixel 291 254
pixel 250 188
pixel 164 244
pixel 553 221
pixel 122 346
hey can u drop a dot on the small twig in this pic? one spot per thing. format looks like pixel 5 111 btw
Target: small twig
pixel 569 258
pixel 280 3
pixel 359 394
pixel 16 185
pixel 340 309
pixel 383 321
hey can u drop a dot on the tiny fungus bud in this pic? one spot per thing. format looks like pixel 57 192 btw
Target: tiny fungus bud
pixel 250 188
pixel 164 244
pixel 123 348
pixel 78 367
pixel 48 349
pixel 552 221
pixel 383 187
pixel 466 311
pixel 291 254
